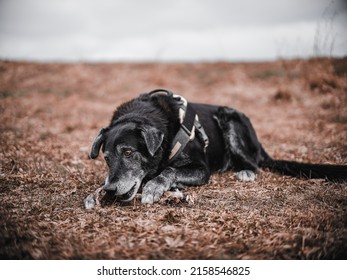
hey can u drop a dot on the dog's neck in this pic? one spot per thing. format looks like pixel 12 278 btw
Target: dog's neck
pixel 189 123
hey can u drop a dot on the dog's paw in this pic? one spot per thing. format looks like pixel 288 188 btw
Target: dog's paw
pixel 152 192
pixel 246 175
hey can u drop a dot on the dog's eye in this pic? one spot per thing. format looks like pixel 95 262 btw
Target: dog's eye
pixel 107 159
pixel 127 153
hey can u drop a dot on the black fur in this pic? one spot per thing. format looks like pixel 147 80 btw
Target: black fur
pixel 136 146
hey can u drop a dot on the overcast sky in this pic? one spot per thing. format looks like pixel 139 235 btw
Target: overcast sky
pixel 175 30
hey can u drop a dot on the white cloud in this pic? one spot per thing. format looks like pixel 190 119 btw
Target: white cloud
pixel 168 30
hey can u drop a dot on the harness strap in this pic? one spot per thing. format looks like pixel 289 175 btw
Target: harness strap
pixel 189 121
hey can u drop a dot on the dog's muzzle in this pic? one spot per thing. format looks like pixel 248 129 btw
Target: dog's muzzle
pixel 109 187
pixel 127 196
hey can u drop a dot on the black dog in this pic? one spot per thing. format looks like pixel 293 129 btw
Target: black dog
pixel 157 141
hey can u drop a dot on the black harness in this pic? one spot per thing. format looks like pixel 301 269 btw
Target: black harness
pixel 189 121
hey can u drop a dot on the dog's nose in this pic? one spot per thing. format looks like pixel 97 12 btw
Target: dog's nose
pixel 109 187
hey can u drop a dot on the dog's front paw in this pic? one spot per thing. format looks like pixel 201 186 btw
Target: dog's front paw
pixel 152 192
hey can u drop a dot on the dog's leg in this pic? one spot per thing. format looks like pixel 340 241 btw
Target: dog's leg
pixel 155 188
pixel 243 150
pixel 169 178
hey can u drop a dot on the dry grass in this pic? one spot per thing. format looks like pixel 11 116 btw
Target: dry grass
pixel 50 113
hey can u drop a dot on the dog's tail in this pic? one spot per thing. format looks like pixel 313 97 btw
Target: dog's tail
pixel 306 170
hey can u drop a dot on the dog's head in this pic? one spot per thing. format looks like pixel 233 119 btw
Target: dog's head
pixel 131 152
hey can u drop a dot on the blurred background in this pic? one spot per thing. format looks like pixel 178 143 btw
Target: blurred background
pixel 159 30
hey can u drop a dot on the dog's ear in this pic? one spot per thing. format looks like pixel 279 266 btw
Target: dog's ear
pixel 98 141
pixel 153 138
